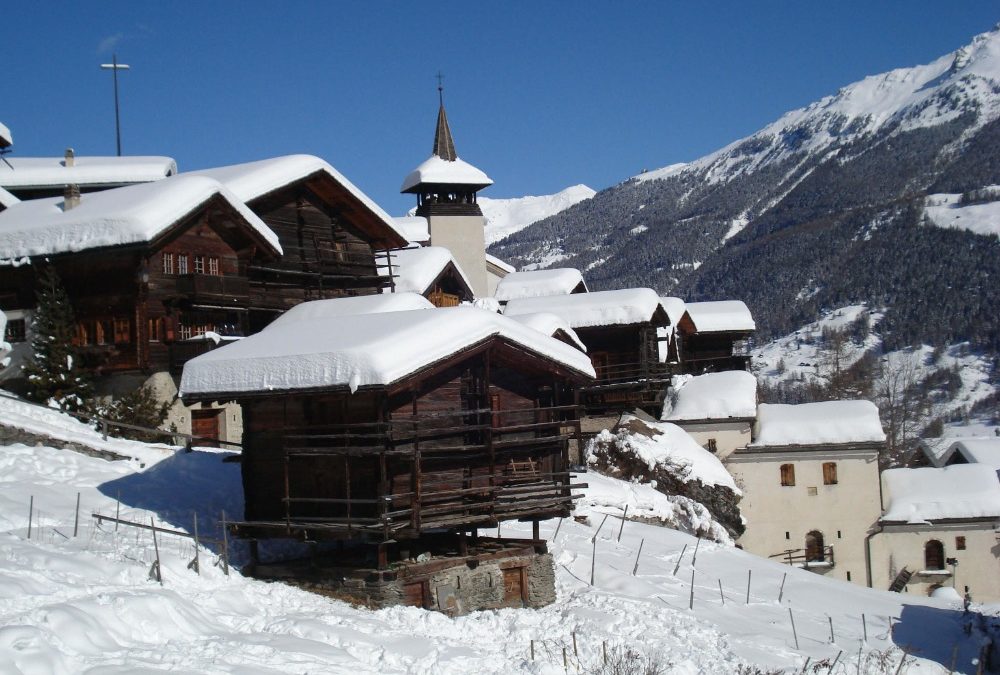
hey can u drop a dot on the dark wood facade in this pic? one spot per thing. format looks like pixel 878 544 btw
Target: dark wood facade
pixel 708 352
pixel 629 371
pixel 480 438
pixel 134 305
pixel 329 242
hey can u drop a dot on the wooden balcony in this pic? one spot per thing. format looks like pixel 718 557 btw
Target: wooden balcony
pixel 394 480
pixel 215 289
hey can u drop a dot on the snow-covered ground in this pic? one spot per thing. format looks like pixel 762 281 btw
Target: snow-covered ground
pixel 504 217
pixel 947 210
pixel 87 603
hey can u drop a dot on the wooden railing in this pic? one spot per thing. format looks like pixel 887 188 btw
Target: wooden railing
pixel 225 289
pixel 624 373
pixel 801 557
pixel 464 468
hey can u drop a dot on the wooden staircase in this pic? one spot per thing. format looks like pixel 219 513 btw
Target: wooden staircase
pixel 899 583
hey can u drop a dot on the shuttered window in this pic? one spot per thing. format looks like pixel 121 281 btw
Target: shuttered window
pixel 788 474
pixel 829 473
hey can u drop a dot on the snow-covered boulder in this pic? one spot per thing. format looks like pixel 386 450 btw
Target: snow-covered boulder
pixel 666 457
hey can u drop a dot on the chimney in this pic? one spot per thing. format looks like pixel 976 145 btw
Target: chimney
pixel 71 197
pixel 70 158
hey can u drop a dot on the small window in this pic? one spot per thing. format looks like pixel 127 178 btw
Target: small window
pixel 713 446
pixel 829 473
pixel 812 491
pixel 788 535
pixel 168 263
pixel 213 266
pixel 848 575
pixel 184 332
pixel 182 263
pixel 960 543
pixel 105 332
pixel 788 474
pixel 934 555
pixel 123 331
pixel 199 264
pixel 16 331
pixel 155 329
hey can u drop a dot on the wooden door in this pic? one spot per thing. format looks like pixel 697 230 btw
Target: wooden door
pixel 513 587
pixel 205 426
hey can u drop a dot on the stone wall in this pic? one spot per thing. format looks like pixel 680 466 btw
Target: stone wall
pixel 10 435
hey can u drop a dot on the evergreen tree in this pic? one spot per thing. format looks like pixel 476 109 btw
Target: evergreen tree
pixel 54 372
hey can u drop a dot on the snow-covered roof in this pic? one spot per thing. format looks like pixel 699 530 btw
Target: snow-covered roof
pixel 437 171
pixel 52 172
pixel 954 492
pixel 417 268
pixel 7 199
pixel 414 228
pixel 720 396
pixel 539 283
pixel 674 307
pixel 252 180
pixel 723 315
pixel 125 215
pixel 978 450
pixel 601 308
pixel 550 324
pixel 493 260
pixel 6 138
pixel 370 349
pixel 361 304
pixel 827 422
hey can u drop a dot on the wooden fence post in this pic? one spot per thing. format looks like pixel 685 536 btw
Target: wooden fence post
pixel 635 568
pixel 781 591
pixel 225 546
pixel 622 527
pixel 749 574
pixel 31 513
pixel 691 601
pixel 679 558
pixel 156 547
pixel 76 518
pixel 694 558
pixel 794 633
pixel 721 595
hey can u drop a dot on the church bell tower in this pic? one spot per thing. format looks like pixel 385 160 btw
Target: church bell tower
pixel 446 190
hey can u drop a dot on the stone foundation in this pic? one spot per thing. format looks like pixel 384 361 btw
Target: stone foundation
pixel 497 574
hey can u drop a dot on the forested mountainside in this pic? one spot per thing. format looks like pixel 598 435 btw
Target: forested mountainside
pixel 823 208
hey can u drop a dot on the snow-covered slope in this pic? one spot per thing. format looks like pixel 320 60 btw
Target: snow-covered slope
pixel 950 210
pixel 87 603
pixel 504 217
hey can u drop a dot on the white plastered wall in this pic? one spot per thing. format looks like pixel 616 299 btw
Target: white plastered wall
pixel 465 237
pixel 978 568
pixel 779 517
pixel 729 435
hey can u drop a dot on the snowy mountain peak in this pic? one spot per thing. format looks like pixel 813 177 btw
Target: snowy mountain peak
pixel 965 81
pixel 504 217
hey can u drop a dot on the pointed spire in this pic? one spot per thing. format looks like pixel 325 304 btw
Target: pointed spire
pixel 444 144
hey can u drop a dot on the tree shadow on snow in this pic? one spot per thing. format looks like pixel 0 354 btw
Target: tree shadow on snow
pixel 933 633
pixel 180 486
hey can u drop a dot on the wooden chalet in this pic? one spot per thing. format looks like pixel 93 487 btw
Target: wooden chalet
pixel 398 433
pixel 619 329
pixel 145 266
pixel 712 336
pixel 330 233
pixel 430 271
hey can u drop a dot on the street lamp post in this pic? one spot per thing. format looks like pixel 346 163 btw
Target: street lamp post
pixel 114 67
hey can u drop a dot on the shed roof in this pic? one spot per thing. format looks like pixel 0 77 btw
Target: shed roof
pixel 977 450
pixel 600 308
pixel 725 395
pixel 126 215
pixel 551 325
pixel 539 283
pixel 823 423
pixel 961 491
pixel 368 350
pixel 500 264
pixel 674 307
pixel 52 172
pixel 253 180
pixel 416 269
pixel 361 304
pixel 415 228
pixel 720 316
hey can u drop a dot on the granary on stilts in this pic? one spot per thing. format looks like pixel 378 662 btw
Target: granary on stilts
pixel 397 435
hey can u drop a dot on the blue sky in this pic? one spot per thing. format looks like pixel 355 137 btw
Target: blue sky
pixel 541 95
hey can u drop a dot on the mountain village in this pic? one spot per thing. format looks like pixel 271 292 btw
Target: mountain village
pixel 413 420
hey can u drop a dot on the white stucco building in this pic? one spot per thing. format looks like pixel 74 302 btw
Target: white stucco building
pixel 717 409
pixel 811 485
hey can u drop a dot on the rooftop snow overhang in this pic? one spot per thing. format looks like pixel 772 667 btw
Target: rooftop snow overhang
pixel 436 174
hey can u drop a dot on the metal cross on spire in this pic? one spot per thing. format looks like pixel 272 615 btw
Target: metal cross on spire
pixel 440 79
